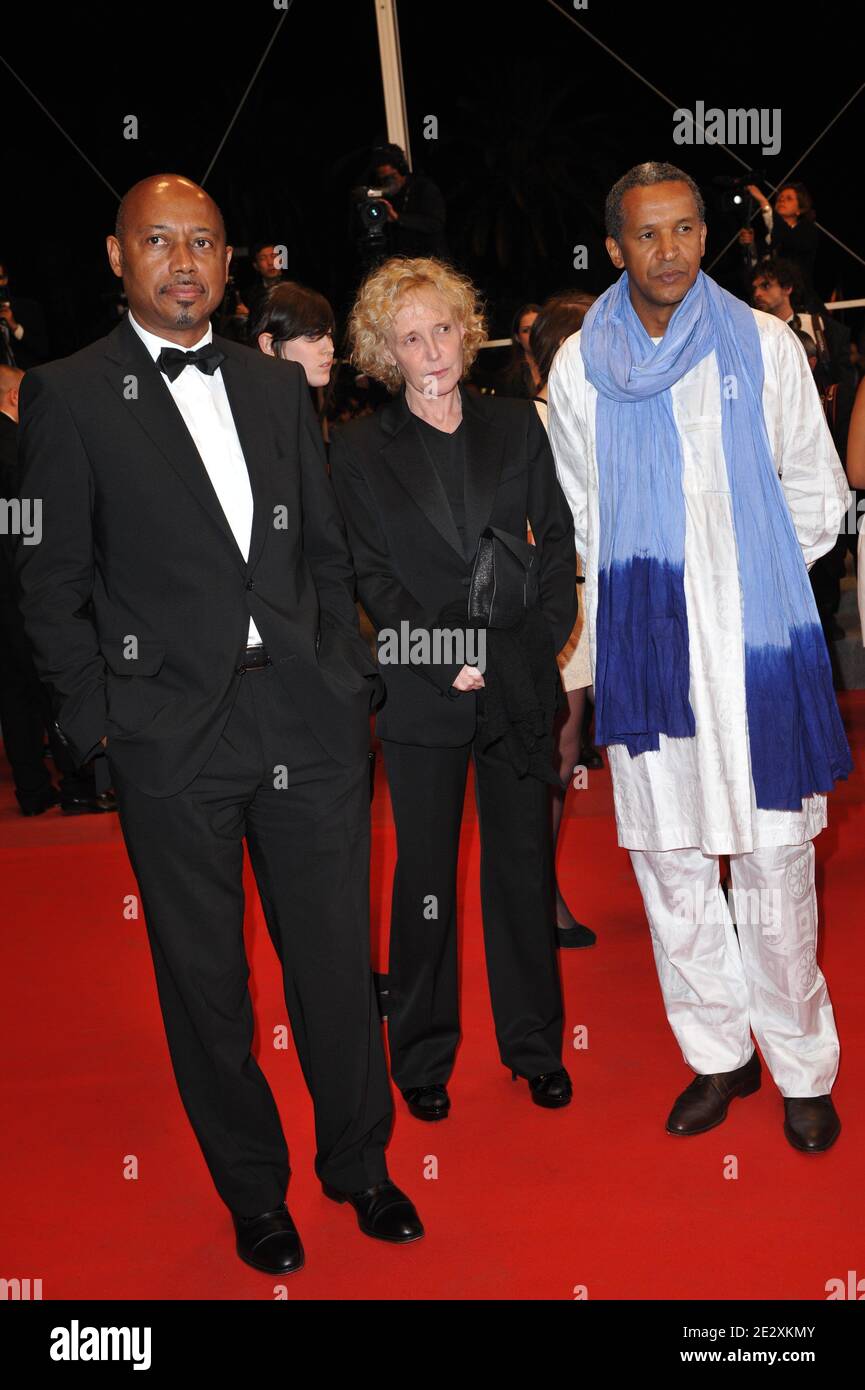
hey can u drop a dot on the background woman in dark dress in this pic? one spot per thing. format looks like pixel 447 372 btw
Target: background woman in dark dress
pixel 562 315
pixel 417 482
pixel 520 375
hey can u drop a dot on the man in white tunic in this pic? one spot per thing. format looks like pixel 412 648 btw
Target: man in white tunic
pixel 690 797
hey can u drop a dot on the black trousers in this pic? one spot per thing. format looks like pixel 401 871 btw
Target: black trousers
pixel 427 788
pixel 826 575
pixel 305 819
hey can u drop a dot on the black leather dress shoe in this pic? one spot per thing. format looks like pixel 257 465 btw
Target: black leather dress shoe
pixel 577 935
pixel 428 1102
pixel 88 805
pixel 552 1089
pixel 382 1211
pixel 704 1103
pixel 811 1123
pixel 269 1242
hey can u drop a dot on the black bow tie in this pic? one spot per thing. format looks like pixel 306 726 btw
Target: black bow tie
pixel 171 360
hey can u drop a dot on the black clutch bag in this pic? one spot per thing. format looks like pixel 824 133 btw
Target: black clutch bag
pixel 504 580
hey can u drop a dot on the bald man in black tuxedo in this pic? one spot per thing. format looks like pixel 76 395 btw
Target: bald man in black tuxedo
pixel 192 605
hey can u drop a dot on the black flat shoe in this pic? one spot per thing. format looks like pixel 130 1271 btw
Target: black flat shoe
pixel 811 1124
pixel 382 1211
pixel 269 1242
pixel 428 1102
pixel 704 1103
pixel 577 935
pixel 552 1089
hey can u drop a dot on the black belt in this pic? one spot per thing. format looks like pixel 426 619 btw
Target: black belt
pixel 254 659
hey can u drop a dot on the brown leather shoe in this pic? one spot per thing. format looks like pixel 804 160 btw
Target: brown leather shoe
pixel 811 1123
pixel 703 1104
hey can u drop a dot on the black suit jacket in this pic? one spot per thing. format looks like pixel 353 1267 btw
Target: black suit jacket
pixel 135 545
pixel 838 345
pixel 406 546
pixel 420 228
pixel 8 489
pixel 8 456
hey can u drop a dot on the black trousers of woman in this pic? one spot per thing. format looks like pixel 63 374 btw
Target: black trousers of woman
pixel 427 788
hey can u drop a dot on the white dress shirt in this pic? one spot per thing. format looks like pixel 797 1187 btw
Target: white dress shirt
pixel 203 402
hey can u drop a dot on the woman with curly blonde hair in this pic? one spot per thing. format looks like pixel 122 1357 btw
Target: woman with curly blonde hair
pixel 419 483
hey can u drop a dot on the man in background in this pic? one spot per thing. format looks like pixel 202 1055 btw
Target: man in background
pixel 776 289
pixel 25 703
pixel 267 261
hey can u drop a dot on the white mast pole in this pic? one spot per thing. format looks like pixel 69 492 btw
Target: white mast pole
pixel 391 75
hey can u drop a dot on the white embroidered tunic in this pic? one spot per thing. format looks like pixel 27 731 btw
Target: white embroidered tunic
pixel 698 791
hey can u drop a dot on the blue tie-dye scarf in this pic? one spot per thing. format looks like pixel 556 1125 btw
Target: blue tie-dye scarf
pixel 797 740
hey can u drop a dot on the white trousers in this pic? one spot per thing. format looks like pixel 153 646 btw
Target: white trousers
pixel 718 990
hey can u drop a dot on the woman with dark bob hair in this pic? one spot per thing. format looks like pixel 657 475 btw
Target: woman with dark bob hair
pixel 420 482
pixel 297 324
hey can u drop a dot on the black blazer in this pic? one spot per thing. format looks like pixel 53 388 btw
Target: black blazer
pixel 135 544
pixel 406 546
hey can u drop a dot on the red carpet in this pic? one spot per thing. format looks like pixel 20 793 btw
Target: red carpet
pixel 526 1203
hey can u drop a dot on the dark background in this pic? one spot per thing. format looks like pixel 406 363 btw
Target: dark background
pixel 535 122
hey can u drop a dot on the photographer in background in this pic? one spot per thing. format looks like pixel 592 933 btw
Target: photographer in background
pixel 415 206
pixel 790 232
pixel 23 336
pixel 232 316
